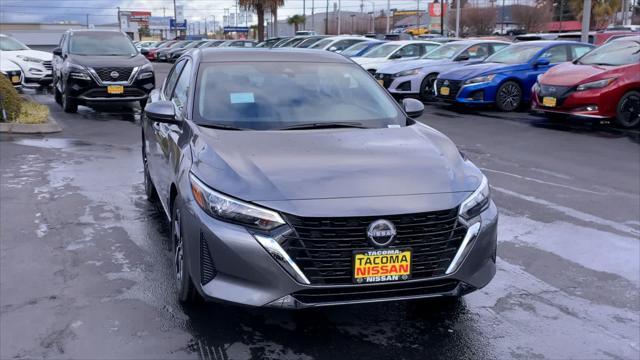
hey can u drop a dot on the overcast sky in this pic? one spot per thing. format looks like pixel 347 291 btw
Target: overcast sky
pixel 105 11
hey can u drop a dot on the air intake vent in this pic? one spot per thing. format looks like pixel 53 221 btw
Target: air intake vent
pixel 207 268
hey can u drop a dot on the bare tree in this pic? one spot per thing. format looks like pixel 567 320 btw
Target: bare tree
pixel 533 18
pixel 476 20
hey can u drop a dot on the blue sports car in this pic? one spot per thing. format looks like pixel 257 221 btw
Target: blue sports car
pixel 413 78
pixel 506 77
pixel 361 48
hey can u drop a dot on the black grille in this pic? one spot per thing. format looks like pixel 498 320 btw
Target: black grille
pixel 387 79
pixel 558 92
pixel 207 268
pixel 47 65
pixel 453 85
pixel 375 292
pixel 323 247
pixel 102 93
pixel 104 73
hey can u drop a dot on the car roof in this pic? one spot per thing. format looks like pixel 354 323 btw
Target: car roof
pixel 549 42
pixel 262 54
pixel 479 41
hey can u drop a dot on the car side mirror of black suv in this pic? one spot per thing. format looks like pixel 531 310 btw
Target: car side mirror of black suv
pixel 57 51
pixel 162 112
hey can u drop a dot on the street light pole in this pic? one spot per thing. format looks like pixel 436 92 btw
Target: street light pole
pixel 119 20
pixel 175 17
pixel 339 19
pixel 388 14
pixel 457 18
pixel 586 21
pixel 326 20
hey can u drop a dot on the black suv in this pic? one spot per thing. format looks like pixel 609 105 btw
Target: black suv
pixel 95 66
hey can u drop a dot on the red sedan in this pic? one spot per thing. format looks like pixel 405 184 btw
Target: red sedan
pixel 602 84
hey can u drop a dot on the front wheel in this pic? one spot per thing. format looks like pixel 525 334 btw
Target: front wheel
pixel 509 96
pixel 57 95
pixel 186 291
pixel 426 88
pixel 69 105
pixel 628 111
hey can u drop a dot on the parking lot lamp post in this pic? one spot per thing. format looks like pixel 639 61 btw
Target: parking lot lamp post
pixel 442 7
pixel 457 18
pixel 339 19
pixel 586 21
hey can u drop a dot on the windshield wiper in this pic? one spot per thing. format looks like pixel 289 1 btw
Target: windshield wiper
pixel 324 125
pixel 221 126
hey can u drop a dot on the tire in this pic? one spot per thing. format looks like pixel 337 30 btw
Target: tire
pixel 149 188
pixel 69 105
pixel 509 96
pixel 187 293
pixel 628 110
pixel 57 96
pixel 426 87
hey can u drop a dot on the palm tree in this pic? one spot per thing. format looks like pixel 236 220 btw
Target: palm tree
pixel 259 6
pixel 602 11
pixel 295 20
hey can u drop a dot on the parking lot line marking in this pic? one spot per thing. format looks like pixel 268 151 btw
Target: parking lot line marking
pixel 571 212
pixel 545 182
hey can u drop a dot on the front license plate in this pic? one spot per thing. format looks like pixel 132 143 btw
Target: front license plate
pixel 549 101
pixel 381 82
pixel 375 266
pixel 115 89
pixel 444 90
pixel 15 79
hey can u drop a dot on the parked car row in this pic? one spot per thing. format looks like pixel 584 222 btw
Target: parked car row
pixel 171 50
pixel 22 65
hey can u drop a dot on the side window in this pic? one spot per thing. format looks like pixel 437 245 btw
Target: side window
pixel 497 47
pixel 181 92
pixel 556 54
pixel 170 83
pixel 478 51
pixel 409 51
pixel 425 48
pixel 579 50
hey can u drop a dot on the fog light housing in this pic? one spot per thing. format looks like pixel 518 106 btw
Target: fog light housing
pixel 285 302
pixel 477 95
pixel 592 108
pixel 405 86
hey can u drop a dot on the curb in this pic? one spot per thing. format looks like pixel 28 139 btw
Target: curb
pixel 47 128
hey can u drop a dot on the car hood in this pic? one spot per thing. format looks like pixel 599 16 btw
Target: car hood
pixel 6 65
pixel 569 74
pixel 396 67
pixel 109 61
pixel 42 55
pixel 475 70
pixel 331 164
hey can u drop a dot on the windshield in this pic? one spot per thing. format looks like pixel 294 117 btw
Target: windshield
pixel 101 43
pixel 321 44
pixel 354 49
pixel 620 52
pixel 273 95
pixel 11 44
pixel 381 51
pixel 516 54
pixel 447 51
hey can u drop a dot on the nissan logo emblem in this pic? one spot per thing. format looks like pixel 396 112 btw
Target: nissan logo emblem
pixel 446 82
pixel 381 232
pixel 114 74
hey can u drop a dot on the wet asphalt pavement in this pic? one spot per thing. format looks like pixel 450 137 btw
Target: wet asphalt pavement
pixel 85 266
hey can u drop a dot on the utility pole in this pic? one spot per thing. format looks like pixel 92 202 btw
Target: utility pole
pixel 313 15
pixel 175 17
pixel 442 7
pixel 457 18
pixel 586 20
pixel 339 19
pixel 206 32
pixel 326 20
pixel 388 14
pixel 304 15
pixel 418 15
pixel 88 21
pixel 119 21
pixel 561 14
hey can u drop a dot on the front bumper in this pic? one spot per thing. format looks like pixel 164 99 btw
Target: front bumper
pixel 229 264
pixel 469 94
pixel 401 86
pixel 588 104
pixel 36 75
pixel 89 91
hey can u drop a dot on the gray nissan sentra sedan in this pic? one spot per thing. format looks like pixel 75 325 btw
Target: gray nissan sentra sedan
pixel 292 179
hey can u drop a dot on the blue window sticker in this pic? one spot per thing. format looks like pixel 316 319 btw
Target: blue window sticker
pixel 242 98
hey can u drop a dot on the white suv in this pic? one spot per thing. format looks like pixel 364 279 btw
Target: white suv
pixel 35 65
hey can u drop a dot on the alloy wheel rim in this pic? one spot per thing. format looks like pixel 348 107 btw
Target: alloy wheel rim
pixel 630 110
pixel 510 96
pixel 177 238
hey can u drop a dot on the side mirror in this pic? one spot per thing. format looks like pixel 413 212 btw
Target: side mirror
pixel 541 62
pixel 144 51
pixel 414 108
pixel 162 112
pixel 57 51
pixel 395 56
pixel 333 48
pixel 463 58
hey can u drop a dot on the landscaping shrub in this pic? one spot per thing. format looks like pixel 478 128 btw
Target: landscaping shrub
pixel 10 98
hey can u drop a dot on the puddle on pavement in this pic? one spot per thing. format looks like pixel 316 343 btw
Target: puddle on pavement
pixel 52 143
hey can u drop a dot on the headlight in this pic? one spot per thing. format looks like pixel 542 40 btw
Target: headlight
pixel 477 202
pixel 146 71
pixel 480 79
pixel 407 72
pixel 595 84
pixel 226 208
pixel 538 78
pixel 29 59
pixel 78 72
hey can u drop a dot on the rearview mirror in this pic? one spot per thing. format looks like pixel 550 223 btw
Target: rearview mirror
pixel 542 62
pixel 414 108
pixel 333 48
pixel 57 51
pixel 162 112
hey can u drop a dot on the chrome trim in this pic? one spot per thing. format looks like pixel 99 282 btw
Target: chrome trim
pixel 281 256
pixel 471 233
